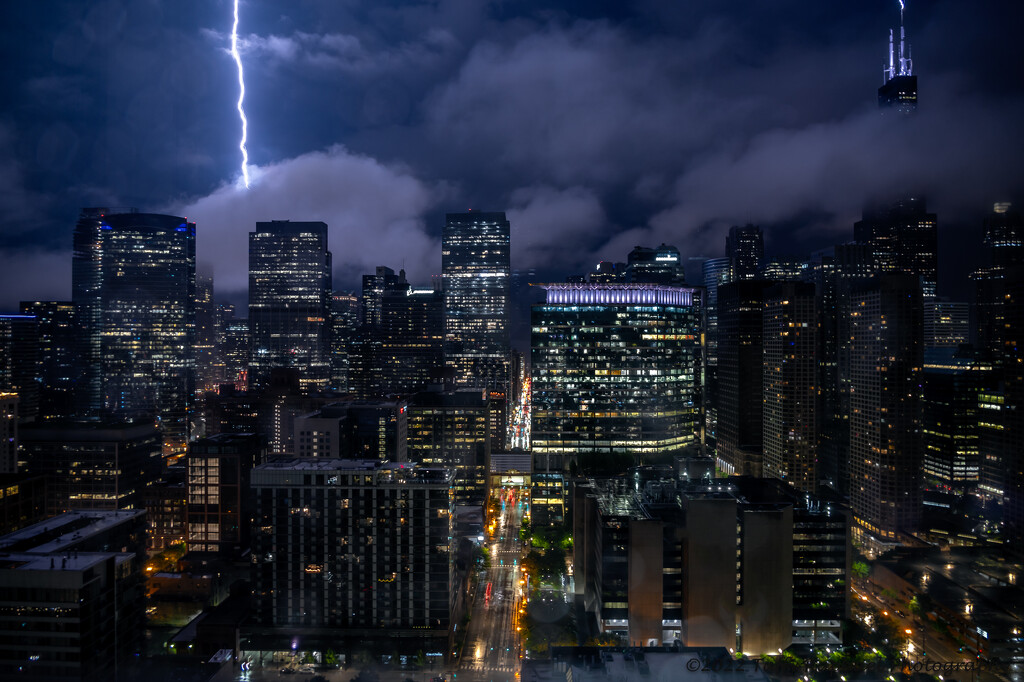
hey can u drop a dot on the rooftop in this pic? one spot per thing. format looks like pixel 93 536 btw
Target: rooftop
pixel 62 532
pixel 388 472
pixel 73 561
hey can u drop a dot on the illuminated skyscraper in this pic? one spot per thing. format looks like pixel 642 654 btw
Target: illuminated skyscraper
pixel 289 302
pixel 134 287
pixel 615 369
pixel 899 88
pixel 475 270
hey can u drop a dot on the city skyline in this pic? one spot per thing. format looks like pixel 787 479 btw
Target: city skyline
pixel 659 124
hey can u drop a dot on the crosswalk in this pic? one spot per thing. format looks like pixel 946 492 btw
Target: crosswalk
pixel 493 668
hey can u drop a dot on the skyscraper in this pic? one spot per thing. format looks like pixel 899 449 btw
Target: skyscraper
pixel 374 287
pixel 745 249
pixel 411 340
pixel 790 391
pixel 655 266
pixel 903 237
pixel 615 369
pixel 220 506
pixel 289 302
pixel 8 433
pixel 885 370
pixel 899 86
pixel 19 362
pixel 475 268
pixel 1004 237
pixel 848 266
pixel 947 324
pixel 57 359
pixel 714 272
pixel 134 289
pixel 953 383
pixel 449 429
pixel 209 364
pixel 355 545
pixel 740 447
pixel 344 323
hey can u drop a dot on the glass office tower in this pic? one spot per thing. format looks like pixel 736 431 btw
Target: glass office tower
pixel 615 369
pixel 475 269
pixel 289 302
pixel 134 287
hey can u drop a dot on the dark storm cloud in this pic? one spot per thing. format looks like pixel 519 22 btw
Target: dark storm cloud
pixel 596 125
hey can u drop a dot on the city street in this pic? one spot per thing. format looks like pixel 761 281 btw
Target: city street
pixel 492 649
pixel 926 643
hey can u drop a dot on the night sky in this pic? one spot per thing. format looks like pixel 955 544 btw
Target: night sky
pixel 596 125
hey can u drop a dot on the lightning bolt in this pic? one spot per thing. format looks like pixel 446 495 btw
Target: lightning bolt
pixel 902 6
pixel 241 98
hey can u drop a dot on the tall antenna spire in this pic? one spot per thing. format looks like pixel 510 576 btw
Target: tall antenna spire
pixel 887 74
pixel 899 84
pixel 906 64
pixel 906 67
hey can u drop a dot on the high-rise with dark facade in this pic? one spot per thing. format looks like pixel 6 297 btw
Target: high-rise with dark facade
pixel 73 597
pixel 475 269
pixel 289 302
pixel 789 417
pixel 363 546
pixel 835 274
pixel 953 385
pixel 661 265
pixel 220 506
pixel 403 351
pixel 344 323
pixel 57 360
pixel 93 465
pixel 615 369
pixel 744 248
pixel 885 374
pixel 19 362
pixel 903 237
pixel 714 272
pixel 1004 239
pixel 134 289
pixel 375 286
pixel 209 363
pixel 450 429
pixel 740 446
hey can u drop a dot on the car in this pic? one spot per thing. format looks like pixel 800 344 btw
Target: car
pixel 286 671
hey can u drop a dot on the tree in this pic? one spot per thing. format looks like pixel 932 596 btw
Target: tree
pixel 603 639
pixel 525 531
pixel 920 604
pixel 533 563
pixel 860 570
